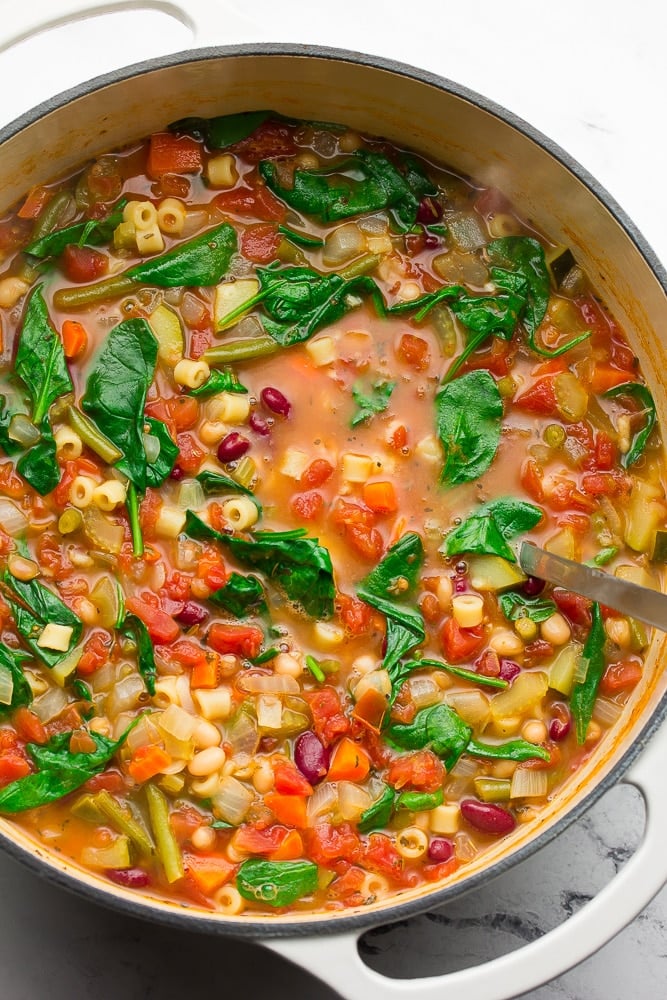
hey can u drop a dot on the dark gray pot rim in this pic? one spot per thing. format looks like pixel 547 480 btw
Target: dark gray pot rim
pixel 190 919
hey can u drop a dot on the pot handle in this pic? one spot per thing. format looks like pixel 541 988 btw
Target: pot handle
pixel 335 959
pixel 210 21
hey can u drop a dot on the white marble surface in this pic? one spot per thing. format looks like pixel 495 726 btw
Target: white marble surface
pixel 593 76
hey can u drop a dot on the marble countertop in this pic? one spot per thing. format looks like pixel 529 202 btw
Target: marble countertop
pixel 587 74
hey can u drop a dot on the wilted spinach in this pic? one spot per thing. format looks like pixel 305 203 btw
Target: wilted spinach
pixel 134 629
pixel 372 402
pixel 487 530
pixel 33 606
pixel 469 412
pixel 636 390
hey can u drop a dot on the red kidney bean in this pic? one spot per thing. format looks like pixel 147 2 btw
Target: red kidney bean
pixel 176 473
pixel 533 586
pixel 311 757
pixel 560 725
pixel 431 241
pixel 440 849
pixel 259 425
pixel 130 878
pixel 429 211
pixel 232 446
pixel 191 614
pixel 275 401
pixel 508 670
pixel 487 817
pixel 460 584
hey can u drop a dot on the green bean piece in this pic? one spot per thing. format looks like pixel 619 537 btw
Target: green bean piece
pixel 167 848
pixel 492 789
pixel 49 216
pixel 79 298
pixel 132 504
pixel 240 350
pixel 362 266
pixel 70 520
pixel 124 822
pixel 92 436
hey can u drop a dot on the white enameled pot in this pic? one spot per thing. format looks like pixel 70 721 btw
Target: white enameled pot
pixel 447 123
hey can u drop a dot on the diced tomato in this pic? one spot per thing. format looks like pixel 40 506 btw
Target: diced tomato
pixel 95 653
pixel 538 764
pixel 243 640
pixel 497 359
pixel 604 484
pixel 84 263
pixel 290 781
pixel 605 452
pixel 607 376
pixel 28 726
pixel 307 506
pixel 208 871
pixel 260 242
pixel 354 615
pixel 184 821
pixel 624 358
pixel 535 651
pixel 178 586
pixel 436 872
pixel 601 325
pixel 380 855
pixel 149 511
pixel 183 411
pixel 162 628
pixel 575 607
pixel 399 438
pixel 11 485
pixel 531 480
pixel 460 645
pixel 37 199
pixel 347 884
pixel 270 140
pixel 368 542
pixel 346 513
pixel 255 201
pixel 110 780
pixel 190 455
pixel 173 154
pixel 564 495
pixel 187 653
pixel 413 351
pixel 328 720
pixel 539 398
pixel 211 569
pixel 316 474
pixel 253 840
pixel 13 765
pixel 421 770
pixel 329 844
pixel 621 676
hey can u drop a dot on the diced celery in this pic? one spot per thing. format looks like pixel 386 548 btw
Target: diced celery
pixel 105 597
pixel 86 808
pixel 166 326
pixel 115 855
pixel 494 573
pixel 123 820
pixel 65 667
pixel 563 668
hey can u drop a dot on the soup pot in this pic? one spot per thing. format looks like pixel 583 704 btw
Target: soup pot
pixel 447 123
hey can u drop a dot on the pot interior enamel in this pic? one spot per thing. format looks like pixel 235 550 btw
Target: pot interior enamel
pixel 411 109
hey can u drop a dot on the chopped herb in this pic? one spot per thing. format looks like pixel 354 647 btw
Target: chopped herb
pixel 371 403
pixel 315 669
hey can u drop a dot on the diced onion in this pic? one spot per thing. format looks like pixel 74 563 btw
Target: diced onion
pixel 13 521
pixel 465 767
pixel 255 683
pixel 151 447
pixel 124 695
pixel 187 554
pixel 242 734
pixel 472 706
pixel 465 846
pixel 323 800
pixel 424 691
pixel 6 686
pixel 232 801
pixel 104 678
pixel 343 244
pixel 528 784
pixel 145 733
pixel 607 712
pixel 177 723
pixel 22 430
pixel 184 695
pixel 50 704
pixel 191 495
pixel 269 712
pixel 352 800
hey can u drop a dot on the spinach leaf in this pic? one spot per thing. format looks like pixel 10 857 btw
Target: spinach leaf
pixel 9 409
pixel 385 588
pixel 33 606
pixel 299 238
pixel 40 358
pixel 223 130
pixel 485 532
pixel 585 691
pixel 383 186
pixel 379 813
pixel 418 801
pixel 92 232
pixel 298 566
pixel 376 401
pixel 518 750
pixel 218 484
pixel 39 466
pixel 438 728
pixel 241 596
pixel 158 470
pixel 12 660
pixel 519 267
pixel 467 675
pixel 203 261
pixel 59 771
pixel 116 392
pixel 643 395
pixel 219 381
pixel 515 605
pixel 134 628
pixel 469 412
pixel 276 883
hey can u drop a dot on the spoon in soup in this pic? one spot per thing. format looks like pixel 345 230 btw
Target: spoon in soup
pixel 649 606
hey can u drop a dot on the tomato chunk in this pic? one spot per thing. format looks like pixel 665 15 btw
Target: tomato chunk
pixel 243 640
pixel 161 627
pixel 460 644
pixel 173 154
pixel 421 770
pixel 84 263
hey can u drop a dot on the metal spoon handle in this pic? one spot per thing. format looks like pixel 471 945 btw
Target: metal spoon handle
pixel 647 605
